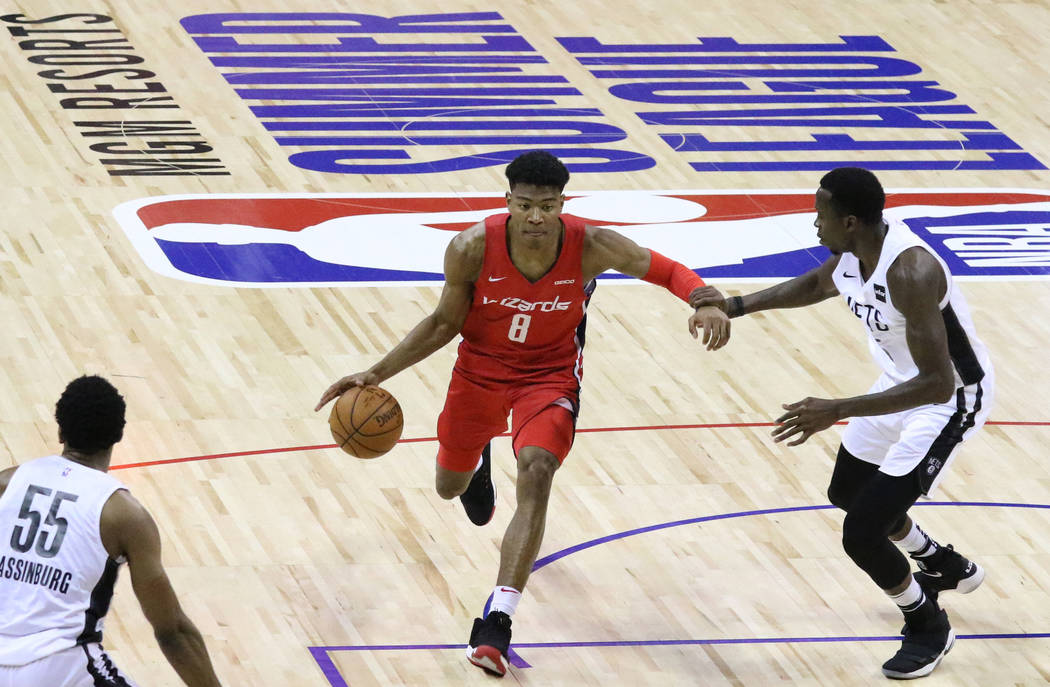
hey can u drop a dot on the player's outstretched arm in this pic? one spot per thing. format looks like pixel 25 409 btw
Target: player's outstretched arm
pixel 463 259
pixel 605 249
pixel 128 530
pixel 806 289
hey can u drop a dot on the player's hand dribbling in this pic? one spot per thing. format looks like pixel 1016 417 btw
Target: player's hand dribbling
pixel 715 324
pixel 340 387
pixel 808 416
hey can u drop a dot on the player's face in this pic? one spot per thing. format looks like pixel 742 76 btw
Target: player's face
pixel 833 230
pixel 535 212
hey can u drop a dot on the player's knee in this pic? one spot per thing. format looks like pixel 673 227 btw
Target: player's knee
pixel 450 484
pixel 858 538
pixel 838 497
pixel 536 468
pixel 866 544
pixel 447 492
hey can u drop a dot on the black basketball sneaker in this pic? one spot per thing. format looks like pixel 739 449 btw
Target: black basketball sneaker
pixel 490 642
pixel 479 500
pixel 922 649
pixel 948 570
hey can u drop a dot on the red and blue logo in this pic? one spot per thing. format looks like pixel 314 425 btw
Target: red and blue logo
pixel 376 239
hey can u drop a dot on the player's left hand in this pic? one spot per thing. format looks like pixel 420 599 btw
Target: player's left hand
pixel 805 417
pixel 715 324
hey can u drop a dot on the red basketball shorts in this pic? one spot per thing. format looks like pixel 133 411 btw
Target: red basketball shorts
pixel 542 414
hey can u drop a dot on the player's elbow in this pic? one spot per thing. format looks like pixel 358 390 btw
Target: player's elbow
pixel 168 636
pixel 444 329
pixel 174 632
pixel 943 387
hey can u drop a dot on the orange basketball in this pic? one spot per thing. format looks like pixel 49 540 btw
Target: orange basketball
pixel 366 421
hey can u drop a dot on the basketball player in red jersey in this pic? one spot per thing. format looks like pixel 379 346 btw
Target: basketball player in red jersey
pixel 516 288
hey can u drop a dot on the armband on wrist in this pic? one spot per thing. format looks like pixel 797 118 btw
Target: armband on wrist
pixel 673 276
pixel 735 306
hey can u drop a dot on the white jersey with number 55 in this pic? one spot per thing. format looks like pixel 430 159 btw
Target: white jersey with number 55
pixel 56 578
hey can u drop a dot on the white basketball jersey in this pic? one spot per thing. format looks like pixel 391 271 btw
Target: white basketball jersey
pixel 872 303
pixel 56 578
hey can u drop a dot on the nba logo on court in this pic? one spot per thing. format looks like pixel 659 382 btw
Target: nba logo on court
pixel 368 240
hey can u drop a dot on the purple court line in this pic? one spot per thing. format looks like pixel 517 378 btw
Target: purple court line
pixel 547 560
pixel 324 660
pixel 321 653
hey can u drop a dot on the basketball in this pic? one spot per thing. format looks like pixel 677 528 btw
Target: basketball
pixel 366 421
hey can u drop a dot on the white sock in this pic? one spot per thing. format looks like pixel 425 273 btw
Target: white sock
pixel 911 598
pixel 917 543
pixel 505 599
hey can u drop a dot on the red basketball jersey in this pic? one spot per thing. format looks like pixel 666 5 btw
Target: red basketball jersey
pixel 519 330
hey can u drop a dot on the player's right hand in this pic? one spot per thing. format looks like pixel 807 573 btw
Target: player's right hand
pixel 340 387
pixel 715 324
pixel 707 295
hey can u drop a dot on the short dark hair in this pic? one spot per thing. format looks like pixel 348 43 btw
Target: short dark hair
pixel 90 414
pixel 855 191
pixel 538 168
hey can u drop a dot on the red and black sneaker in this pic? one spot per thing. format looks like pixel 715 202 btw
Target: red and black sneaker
pixel 479 500
pixel 490 642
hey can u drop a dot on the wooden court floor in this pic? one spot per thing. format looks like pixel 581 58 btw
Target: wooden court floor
pixel 682 547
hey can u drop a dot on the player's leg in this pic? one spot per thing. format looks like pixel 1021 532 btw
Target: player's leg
pixel 521 543
pixel 468 475
pixel 489 641
pixel 933 434
pixel 471 417
pixel 940 567
pixel 450 483
pixel 900 441
pixel 848 478
pixel 542 439
pixel 541 443
pixel 877 511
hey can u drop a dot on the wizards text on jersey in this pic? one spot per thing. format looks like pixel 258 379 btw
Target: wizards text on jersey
pixel 526 306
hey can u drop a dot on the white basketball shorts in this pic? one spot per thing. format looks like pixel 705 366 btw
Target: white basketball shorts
pixel 926 435
pixel 79 666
